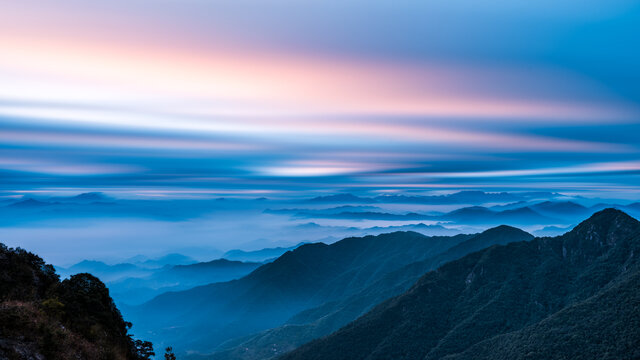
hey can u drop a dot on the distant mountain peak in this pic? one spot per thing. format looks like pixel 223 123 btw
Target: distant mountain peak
pixel 503 232
pixel 503 229
pixel 559 206
pixel 29 203
pixel 90 196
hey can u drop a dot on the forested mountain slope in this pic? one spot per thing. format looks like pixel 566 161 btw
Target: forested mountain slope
pixel 573 296
pixel 43 318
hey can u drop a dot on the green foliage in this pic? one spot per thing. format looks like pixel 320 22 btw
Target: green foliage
pixel 53 307
pixel 43 317
pixel 24 275
pixel 88 304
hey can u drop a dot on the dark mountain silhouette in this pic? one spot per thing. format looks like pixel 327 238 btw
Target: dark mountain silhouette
pixel 330 316
pixel 572 296
pixel 43 318
pixel 311 275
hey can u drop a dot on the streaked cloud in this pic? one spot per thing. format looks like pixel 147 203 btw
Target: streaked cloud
pixel 236 96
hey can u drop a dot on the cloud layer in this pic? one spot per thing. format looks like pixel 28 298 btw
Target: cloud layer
pixel 274 97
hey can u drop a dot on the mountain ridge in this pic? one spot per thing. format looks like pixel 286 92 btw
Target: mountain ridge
pixel 494 291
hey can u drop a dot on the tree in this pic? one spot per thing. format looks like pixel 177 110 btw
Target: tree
pixel 144 349
pixel 169 355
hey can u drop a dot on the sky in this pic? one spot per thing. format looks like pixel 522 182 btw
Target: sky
pixel 168 98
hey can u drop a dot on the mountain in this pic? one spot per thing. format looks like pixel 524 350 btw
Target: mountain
pixel 567 210
pixel 432 230
pixel 475 214
pixel 518 213
pixel 523 215
pixel 301 212
pixel 560 207
pixel 134 291
pixel 509 206
pixel 568 297
pixel 258 255
pixel 461 197
pixel 89 197
pixel 169 259
pixel 204 317
pixel 29 204
pixel 552 230
pixel 341 198
pixel 328 317
pixel 481 215
pixel 364 215
pixel 634 206
pixel 104 271
pixel 43 318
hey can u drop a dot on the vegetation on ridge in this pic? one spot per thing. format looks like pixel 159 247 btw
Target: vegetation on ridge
pixel 43 318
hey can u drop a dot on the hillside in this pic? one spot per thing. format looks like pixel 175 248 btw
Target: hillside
pixel 573 296
pixel 313 274
pixel 43 318
pixel 330 316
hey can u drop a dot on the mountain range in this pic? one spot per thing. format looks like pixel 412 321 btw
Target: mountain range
pixel 498 294
pixel 308 292
pixel 461 197
pixel 518 213
pixel 330 316
pixel 306 277
pixel 570 297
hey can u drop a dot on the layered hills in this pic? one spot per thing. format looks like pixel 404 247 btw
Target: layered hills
pixel 573 296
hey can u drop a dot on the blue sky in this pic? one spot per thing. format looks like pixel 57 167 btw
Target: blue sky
pixel 283 98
